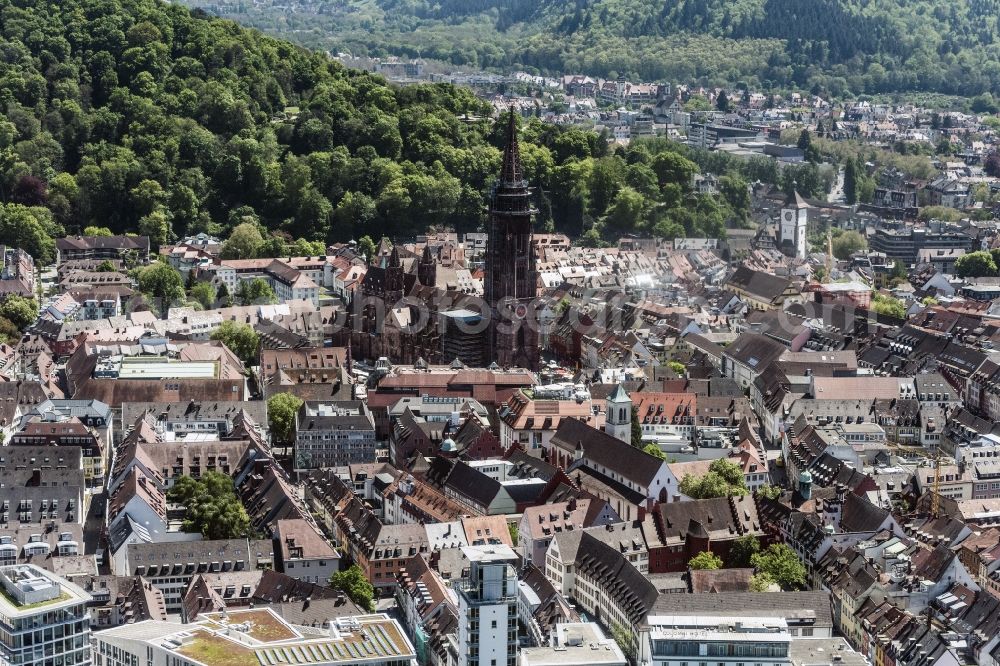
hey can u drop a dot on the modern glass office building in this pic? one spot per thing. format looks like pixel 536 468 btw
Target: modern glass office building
pixel 44 619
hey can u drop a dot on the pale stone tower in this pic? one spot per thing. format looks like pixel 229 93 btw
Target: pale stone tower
pixel 618 422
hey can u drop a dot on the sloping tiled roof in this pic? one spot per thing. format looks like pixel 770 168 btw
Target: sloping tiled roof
pixel 610 452
pixel 615 575
pixel 720 519
pixel 719 581
pixel 754 350
pixel 758 283
pixel 860 515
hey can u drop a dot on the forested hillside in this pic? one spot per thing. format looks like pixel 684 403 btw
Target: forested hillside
pixel 840 46
pixel 139 116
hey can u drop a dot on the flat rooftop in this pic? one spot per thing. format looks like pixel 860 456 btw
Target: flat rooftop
pixel 578 643
pixel 42 590
pixel 824 652
pixel 490 553
pixel 605 654
pixel 700 627
pixel 261 637
pixel 138 368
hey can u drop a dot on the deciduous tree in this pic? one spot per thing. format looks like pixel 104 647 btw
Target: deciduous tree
pixel 742 550
pixel 244 242
pixel 161 281
pixel 723 479
pixel 848 243
pixel 352 582
pixel 655 451
pixel 240 338
pixel 782 565
pixel 20 311
pixel 705 560
pixel 976 264
pixel 212 506
pixel 256 292
pixel 281 410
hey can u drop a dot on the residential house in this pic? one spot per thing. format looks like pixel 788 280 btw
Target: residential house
pixel 331 434
pixel 762 291
pixel 748 356
pixel 125 248
pixel 303 553
pixel 539 524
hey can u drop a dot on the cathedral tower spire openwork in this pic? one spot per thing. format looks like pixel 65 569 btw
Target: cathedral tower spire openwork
pixel 511 278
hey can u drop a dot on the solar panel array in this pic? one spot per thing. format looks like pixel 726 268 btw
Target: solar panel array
pixel 374 641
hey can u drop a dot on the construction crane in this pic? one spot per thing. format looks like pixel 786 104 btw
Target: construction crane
pixel 829 257
pixel 936 496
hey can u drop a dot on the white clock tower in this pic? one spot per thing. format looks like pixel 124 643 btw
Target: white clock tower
pixel 794 226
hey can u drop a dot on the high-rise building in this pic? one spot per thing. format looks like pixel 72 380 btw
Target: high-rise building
pixel 487 607
pixel 511 279
pixel 44 619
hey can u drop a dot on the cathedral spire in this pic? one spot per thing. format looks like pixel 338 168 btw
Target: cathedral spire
pixel 511 174
pixel 509 265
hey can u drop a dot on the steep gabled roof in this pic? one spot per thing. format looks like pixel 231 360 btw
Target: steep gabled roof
pixel 633 592
pixel 761 285
pixel 600 448
pixel 860 515
pixel 754 350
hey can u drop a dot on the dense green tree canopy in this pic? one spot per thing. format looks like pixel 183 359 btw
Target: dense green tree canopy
pixel 281 410
pixel 835 46
pixel 976 264
pixel 723 479
pixel 352 582
pixel 761 582
pixel 213 508
pixel 31 229
pixel 847 243
pixel 244 242
pixel 240 338
pixel 743 550
pixel 256 292
pixel 19 311
pixel 655 451
pixel 160 281
pixel 136 116
pixel 204 294
pixel 705 560
pixel 781 565
pixel 888 305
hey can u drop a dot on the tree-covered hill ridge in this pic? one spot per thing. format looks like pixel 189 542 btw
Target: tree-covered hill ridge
pixel 143 116
pixel 842 46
